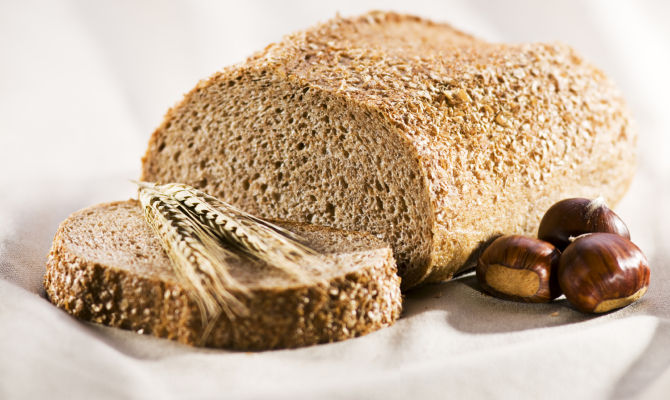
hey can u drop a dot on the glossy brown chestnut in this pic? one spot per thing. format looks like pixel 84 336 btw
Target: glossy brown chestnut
pixel 520 268
pixel 600 272
pixel 574 217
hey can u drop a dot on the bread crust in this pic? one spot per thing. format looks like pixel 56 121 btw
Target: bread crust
pixel 500 132
pixel 150 301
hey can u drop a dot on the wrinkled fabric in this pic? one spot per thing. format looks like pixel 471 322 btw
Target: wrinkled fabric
pixel 82 86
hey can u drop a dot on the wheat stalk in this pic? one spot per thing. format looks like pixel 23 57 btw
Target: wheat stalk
pixel 198 260
pixel 247 234
pixel 201 234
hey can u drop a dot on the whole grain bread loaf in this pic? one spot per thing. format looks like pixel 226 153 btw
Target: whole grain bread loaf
pixel 402 127
pixel 107 266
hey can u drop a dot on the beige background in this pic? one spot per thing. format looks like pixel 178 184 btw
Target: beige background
pixel 83 84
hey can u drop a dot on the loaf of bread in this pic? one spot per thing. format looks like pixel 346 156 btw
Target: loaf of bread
pixel 406 128
pixel 107 266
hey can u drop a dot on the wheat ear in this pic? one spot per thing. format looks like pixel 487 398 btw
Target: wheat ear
pixel 247 234
pixel 199 261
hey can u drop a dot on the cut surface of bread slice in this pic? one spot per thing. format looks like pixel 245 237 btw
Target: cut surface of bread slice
pixel 402 127
pixel 107 266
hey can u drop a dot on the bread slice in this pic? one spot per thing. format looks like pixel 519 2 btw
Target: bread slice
pixel 107 266
pixel 402 127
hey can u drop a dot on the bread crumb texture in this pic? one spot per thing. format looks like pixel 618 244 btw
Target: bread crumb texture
pixel 403 127
pixel 106 266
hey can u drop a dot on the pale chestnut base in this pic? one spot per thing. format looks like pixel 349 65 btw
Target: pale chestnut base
pixel 511 281
pixel 612 304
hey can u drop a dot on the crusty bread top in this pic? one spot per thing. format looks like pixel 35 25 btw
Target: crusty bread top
pixel 499 132
pixel 485 118
pixel 455 97
pixel 123 240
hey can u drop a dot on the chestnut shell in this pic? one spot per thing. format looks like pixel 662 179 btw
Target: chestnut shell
pixel 577 216
pixel 599 267
pixel 518 252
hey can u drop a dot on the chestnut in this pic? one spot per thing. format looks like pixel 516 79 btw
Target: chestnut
pixel 599 272
pixel 520 268
pixel 574 217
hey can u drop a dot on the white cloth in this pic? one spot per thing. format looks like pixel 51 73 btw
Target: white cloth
pixel 82 85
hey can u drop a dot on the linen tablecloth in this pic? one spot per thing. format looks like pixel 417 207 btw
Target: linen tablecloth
pixel 82 86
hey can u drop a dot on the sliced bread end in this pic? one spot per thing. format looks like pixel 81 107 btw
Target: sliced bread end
pixel 106 266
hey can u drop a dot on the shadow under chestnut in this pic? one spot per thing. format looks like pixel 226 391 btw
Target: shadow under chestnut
pixel 471 310
pixel 653 363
